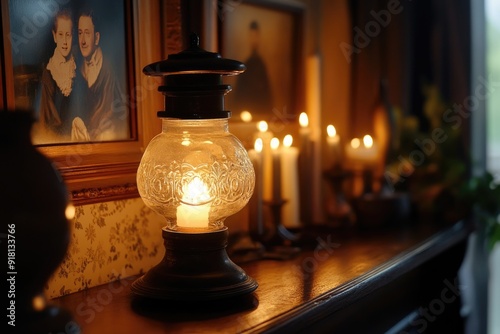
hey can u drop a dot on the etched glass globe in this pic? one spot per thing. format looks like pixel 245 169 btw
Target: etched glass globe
pixel 195 174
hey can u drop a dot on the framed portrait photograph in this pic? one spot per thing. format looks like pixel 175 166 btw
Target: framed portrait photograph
pixel 69 62
pixel 267 37
pixel 77 66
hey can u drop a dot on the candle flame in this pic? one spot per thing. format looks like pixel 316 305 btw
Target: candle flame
pixel 287 141
pixel 368 141
pixel 275 143
pixel 246 116
pixel 303 120
pixel 330 129
pixel 355 143
pixel 262 126
pixel 195 192
pixel 258 145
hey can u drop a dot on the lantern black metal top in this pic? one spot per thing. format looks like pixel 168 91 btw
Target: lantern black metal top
pixel 192 83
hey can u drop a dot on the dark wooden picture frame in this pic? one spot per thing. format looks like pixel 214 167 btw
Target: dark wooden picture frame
pixel 106 170
pixel 268 37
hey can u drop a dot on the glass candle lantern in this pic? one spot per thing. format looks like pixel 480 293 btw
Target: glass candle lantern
pixel 195 174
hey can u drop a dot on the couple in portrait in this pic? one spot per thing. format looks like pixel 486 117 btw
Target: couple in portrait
pixel 79 95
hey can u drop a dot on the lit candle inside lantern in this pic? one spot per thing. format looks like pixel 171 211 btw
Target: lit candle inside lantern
pixel 289 183
pixel 333 141
pixel 195 205
pixel 275 143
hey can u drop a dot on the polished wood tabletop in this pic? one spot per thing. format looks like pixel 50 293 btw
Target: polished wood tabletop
pixel 335 269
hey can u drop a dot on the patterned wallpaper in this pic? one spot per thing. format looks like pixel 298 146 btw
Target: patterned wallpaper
pixel 114 240
pixel 109 240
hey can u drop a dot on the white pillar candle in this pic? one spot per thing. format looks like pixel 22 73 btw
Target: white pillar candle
pixel 275 143
pixel 362 153
pixel 267 163
pixel 255 204
pixel 333 141
pixel 314 110
pixel 305 133
pixel 289 183
pixel 362 157
pixel 306 171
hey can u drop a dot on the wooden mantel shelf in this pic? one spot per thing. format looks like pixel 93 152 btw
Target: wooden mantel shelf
pixel 343 283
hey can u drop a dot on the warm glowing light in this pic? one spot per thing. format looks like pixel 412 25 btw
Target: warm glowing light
pixel 287 141
pixel 195 205
pixel 355 143
pixel 196 192
pixel 303 120
pixel 330 129
pixel 368 141
pixel 275 143
pixel 262 126
pixel 258 145
pixel 70 211
pixel 39 303
pixel 246 116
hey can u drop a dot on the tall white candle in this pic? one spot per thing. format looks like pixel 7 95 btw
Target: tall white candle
pixel 275 143
pixel 306 171
pixel 267 163
pixel 255 204
pixel 305 140
pixel 313 94
pixel 333 141
pixel 314 110
pixel 195 205
pixel 304 131
pixel 289 183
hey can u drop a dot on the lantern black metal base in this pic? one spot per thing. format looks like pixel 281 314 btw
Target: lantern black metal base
pixel 195 267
